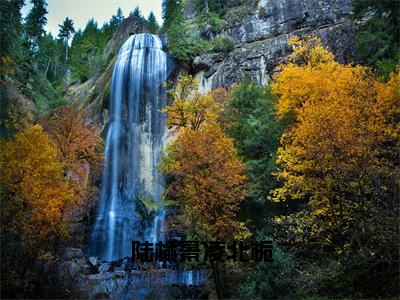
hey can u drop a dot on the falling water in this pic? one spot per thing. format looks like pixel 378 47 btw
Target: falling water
pixel 133 146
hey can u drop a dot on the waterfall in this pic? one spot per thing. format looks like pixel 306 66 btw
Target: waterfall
pixel 133 147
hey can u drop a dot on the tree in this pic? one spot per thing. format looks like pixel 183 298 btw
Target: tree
pixel 136 12
pixel 338 160
pixel 190 108
pixel 10 27
pixel 208 177
pixel 79 149
pixel 170 10
pixel 31 172
pixel 34 24
pixel 152 24
pixel 251 122
pixel 65 33
pixel 116 20
pixel 209 185
pixel 377 42
pixel 86 51
pixel 34 198
pixel 79 145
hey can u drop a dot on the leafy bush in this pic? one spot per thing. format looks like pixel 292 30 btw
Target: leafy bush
pixel 223 44
pixel 183 45
pixel 267 280
pixel 211 20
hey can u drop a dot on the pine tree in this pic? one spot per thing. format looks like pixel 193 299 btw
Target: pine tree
pixel 65 33
pixel 136 12
pixel 116 20
pixel 34 24
pixel 170 8
pixel 10 27
pixel 152 24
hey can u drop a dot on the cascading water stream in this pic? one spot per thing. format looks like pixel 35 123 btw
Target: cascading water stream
pixel 133 147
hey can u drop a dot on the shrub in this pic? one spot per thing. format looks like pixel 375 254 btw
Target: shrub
pixel 223 44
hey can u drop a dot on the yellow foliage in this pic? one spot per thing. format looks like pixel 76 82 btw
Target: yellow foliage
pixel 309 51
pixel 34 192
pixel 189 108
pixel 342 122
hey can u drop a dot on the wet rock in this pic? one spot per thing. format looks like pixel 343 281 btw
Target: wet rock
pixel 104 267
pixel 71 253
pixel 94 261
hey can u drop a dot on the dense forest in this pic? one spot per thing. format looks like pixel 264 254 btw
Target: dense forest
pixel 309 160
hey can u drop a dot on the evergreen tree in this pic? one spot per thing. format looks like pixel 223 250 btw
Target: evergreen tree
pixel 152 24
pixel 34 24
pixel 136 12
pixel 377 43
pixel 10 27
pixel 86 50
pixel 116 20
pixel 170 10
pixel 65 33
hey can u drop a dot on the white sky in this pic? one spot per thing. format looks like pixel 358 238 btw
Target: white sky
pixel 80 11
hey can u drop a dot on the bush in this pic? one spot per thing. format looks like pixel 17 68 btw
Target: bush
pixel 182 45
pixel 210 19
pixel 223 44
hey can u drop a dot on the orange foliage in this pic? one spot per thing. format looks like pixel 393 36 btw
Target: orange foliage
pixel 208 182
pixel 35 194
pixel 208 176
pixel 79 144
pixel 342 125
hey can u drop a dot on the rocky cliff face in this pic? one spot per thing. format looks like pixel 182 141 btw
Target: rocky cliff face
pixel 261 30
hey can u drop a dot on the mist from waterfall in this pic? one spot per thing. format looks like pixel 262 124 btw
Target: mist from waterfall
pixel 133 148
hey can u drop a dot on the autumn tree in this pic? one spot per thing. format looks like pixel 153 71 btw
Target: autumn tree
pixel 34 197
pixel 190 108
pixel 339 157
pixel 208 182
pixel 208 177
pixel 79 149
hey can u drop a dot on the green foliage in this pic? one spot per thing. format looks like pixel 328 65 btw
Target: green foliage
pixel 86 51
pixel 182 44
pixel 10 27
pixel 210 22
pixel 66 31
pixel 223 44
pixel 152 24
pixel 107 95
pixel 250 111
pixel 267 281
pixel 150 205
pixel 34 23
pixel 378 40
pixel 171 9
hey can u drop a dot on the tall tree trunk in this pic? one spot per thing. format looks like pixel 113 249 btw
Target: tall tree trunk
pixel 66 50
pixel 217 279
pixel 47 68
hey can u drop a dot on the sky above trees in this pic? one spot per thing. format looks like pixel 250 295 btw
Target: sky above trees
pixel 100 10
